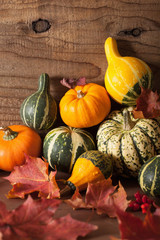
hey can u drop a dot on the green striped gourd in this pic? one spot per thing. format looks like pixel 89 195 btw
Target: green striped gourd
pixel 129 142
pixel 149 177
pixel 125 75
pixel 63 145
pixel 39 110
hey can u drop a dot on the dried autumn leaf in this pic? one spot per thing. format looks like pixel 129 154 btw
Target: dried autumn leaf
pixel 101 196
pixel 134 228
pixel 68 228
pixel 33 177
pixel 148 104
pixel 72 83
pixel 34 220
pixel 27 220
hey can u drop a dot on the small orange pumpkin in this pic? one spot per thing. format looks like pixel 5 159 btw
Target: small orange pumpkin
pixel 15 142
pixel 85 106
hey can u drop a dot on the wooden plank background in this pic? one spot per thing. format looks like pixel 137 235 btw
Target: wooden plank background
pixel 66 39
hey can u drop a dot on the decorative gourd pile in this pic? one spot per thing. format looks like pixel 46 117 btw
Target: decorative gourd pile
pixel 123 144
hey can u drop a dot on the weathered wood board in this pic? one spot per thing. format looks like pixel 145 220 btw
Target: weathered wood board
pixel 66 39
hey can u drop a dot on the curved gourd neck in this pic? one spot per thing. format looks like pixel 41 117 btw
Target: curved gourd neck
pixel 43 82
pixel 111 49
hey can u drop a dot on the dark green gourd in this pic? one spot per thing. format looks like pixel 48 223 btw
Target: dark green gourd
pixel 39 111
pixel 63 145
pixel 149 177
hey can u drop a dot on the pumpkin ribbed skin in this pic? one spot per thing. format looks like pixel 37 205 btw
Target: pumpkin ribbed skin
pixel 63 145
pixel 13 146
pixel 125 75
pixel 91 166
pixel 85 106
pixel 149 177
pixel 128 147
pixel 39 110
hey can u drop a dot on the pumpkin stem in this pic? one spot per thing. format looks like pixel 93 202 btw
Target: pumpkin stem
pixel 80 94
pixel 128 123
pixel 65 191
pixel 9 134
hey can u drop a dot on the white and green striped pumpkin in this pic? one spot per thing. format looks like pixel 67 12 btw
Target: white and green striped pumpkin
pixel 39 111
pixel 149 177
pixel 129 142
pixel 63 145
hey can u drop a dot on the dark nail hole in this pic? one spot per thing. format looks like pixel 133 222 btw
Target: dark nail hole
pixel 41 25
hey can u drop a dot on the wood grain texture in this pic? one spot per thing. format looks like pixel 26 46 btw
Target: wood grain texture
pixel 72 45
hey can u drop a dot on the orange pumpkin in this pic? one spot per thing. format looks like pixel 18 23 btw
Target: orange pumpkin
pixel 85 106
pixel 15 142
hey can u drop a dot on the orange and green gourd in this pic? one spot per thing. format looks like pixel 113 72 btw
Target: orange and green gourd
pixel 125 75
pixel 91 166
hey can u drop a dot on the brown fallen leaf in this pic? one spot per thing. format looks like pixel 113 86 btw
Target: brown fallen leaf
pixel 34 220
pixel 101 196
pixel 72 83
pixel 134 228
pixel 32 177
pixel 147 105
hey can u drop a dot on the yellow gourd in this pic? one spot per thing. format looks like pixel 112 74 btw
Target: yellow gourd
pixel 125 75
pixel 91 166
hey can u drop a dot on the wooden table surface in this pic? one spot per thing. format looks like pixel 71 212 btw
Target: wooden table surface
pixel 106 226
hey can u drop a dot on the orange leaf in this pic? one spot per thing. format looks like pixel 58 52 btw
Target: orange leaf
pixel 33 177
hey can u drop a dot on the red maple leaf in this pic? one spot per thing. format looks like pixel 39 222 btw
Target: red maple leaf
pixel 32 177
pixel 148 104
pixel 134 228
pixel 101 196
pixel 34 220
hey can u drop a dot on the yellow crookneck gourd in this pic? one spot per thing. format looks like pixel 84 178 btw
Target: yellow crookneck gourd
pixel 125 75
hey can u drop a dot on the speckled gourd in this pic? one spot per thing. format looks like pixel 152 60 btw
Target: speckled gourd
pixel 129 142
pixel 125 75
pixel 39 111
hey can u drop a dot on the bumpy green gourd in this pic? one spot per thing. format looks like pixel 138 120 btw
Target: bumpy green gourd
pixel 39 110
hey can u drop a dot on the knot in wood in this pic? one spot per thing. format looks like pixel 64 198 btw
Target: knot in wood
pixel 135 32
pixel 41 25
